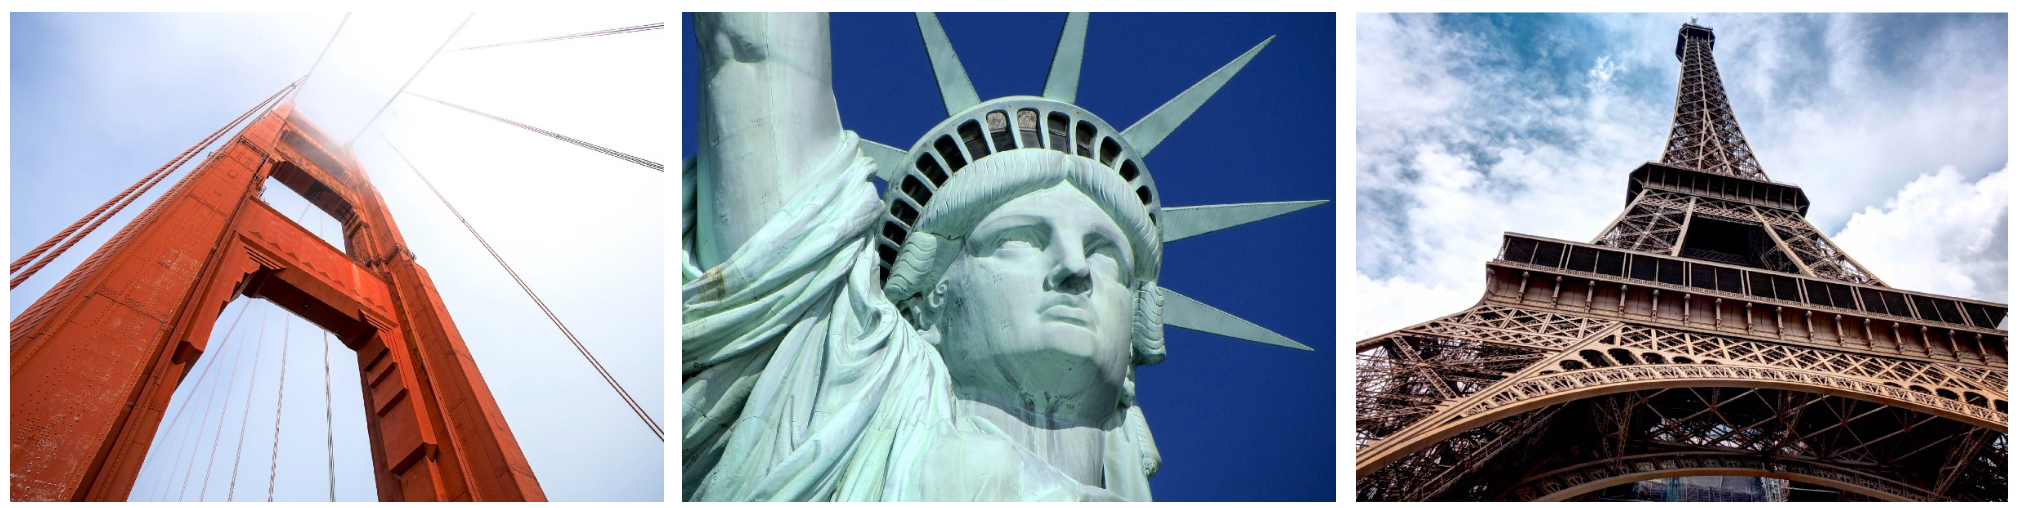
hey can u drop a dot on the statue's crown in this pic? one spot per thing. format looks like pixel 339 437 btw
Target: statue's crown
pixel 975 130
pixel 996 126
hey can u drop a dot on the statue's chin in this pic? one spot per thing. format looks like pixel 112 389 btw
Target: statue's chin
pixel 1068 338
pixel 1055 381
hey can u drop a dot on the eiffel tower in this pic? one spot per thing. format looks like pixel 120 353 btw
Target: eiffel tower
pixel 1710 330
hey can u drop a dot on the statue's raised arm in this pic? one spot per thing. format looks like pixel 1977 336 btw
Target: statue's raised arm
pixel 768 120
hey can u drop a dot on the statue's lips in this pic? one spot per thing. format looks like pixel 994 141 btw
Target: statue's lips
pixel 1068 313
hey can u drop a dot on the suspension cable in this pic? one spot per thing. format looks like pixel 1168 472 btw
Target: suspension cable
pixel 177 417
pixel 633 403
pixel 328 408
pixel 278 402
pixel 246 415
pixel 98 216
pixel 611 31
pixel 584 144
pixel 409 80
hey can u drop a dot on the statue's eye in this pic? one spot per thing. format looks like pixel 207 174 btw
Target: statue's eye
pixel 1100 245
pixel 1022 237
pixel 1106 257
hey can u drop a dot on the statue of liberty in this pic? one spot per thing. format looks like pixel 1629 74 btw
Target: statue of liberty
pixel 970 334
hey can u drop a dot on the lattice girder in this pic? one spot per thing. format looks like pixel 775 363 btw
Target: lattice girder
pixel 1428 439
pixel 1895 372
pixel 1722 299
pixel 1405 376
pixel 1651 223
pixel 1815 250
pixel 1877 449
pixel 1705 135
pixel 1657 221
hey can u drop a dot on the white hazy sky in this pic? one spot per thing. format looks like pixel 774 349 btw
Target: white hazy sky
pixel 100 99
pixel 1470 126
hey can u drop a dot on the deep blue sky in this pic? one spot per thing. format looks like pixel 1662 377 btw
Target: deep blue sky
pixel 1234 420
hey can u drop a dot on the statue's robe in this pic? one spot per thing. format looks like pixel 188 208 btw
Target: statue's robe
pixel 801 382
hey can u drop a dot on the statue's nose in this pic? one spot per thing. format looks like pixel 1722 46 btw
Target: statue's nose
pixel 1070 275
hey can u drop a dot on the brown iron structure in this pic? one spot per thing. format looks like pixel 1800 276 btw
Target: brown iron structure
pixel 1710 330
pixel 94 361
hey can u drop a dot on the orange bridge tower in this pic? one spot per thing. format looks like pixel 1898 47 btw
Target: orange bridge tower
pixel 94 361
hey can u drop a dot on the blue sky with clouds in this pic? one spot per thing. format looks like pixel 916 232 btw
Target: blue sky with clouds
pixel 1234 420
pixel 1469 126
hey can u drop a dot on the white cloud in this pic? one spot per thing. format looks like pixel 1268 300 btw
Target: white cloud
pixel 1824 97
pixel 1396 302
pixel 1440 180
pixel 1941 234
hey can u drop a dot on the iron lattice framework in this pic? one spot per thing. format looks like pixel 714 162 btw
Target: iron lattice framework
pixel 1705 135
pixel 1710 330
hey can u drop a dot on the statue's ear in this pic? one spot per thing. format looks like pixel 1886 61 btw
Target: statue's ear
pixel 930 305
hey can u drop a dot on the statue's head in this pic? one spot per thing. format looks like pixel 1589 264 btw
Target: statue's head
pixel 1023 235
pixel 1029 266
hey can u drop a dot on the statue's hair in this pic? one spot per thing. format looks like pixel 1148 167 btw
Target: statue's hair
pixel 1146 330
pixel 980 188
pixel 1137 427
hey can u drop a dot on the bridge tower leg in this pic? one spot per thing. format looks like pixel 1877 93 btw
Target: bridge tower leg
pixel 94 361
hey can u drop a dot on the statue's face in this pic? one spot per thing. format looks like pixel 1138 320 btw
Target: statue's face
pixel 1038 308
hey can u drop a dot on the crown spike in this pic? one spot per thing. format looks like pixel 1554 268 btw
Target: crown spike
pixel 1188 221
pixel 1063 83
pixel 954 88
pixel 1150 130
pixel 1183 312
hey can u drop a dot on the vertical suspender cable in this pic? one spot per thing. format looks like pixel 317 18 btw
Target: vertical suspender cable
pixel 205 415
pixel 200 377
pixel 633 403
pixel 176 432
pixel 191 441
pixel 145 184
pixel 278 401
pixel 211 463
pixel 328 416
pixel 245 416
pixel 328 408
pixel 196 393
